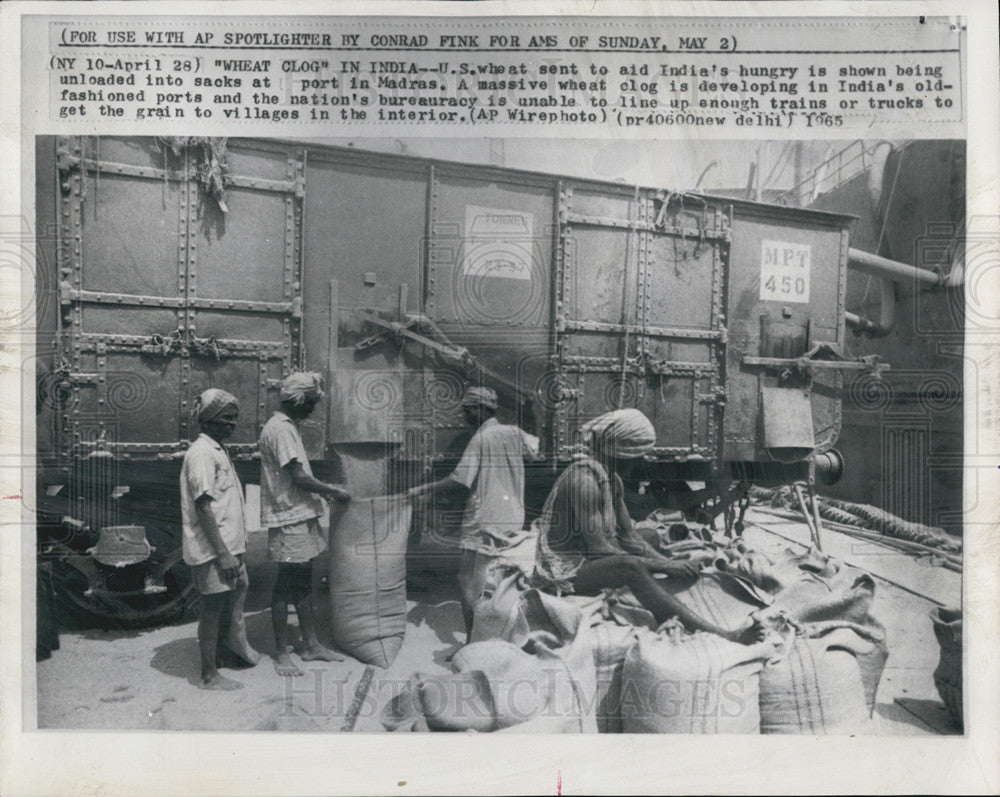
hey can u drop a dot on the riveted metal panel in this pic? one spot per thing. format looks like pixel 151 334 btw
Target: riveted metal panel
pixel 640 324
pixel 123 248
pixel 241 254
pixel 605 260
pixel 680 284
pixel 130 395
pixel 255 327
pixel 162 294
pixel 784 321
pixel 491 252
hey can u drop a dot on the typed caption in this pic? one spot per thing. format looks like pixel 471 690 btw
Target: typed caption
pixel 651 77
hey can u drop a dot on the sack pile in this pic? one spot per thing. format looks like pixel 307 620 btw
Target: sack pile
pixel 540 663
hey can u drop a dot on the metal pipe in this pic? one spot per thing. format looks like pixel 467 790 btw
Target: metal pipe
pixel 829 466
pixel 864 325
pixel 892 269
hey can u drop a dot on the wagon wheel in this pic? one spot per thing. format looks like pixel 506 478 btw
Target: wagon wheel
pixel 149 593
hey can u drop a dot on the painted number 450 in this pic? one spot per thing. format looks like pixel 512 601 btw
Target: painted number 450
pixel 786 286
pixel 784 271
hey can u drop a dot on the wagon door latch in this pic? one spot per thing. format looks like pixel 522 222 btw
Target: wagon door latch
pixel 170 344
pixel 821 357
pixel 162 345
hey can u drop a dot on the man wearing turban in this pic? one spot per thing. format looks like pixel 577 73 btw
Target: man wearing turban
pixel 587 541
pixel 491 476
pixel 214 534
pixel 290 508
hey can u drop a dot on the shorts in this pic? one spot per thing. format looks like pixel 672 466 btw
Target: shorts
pixel 296 542
pixel 209 581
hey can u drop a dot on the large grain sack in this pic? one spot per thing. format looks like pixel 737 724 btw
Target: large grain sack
pixel 722 599
pixel 674 682
pixel 612 642
pixel 616 620
pixel 865 642
pixel 824 594
pixel 368 577
pixel 948 673
pixel 845 596
pixel 814 688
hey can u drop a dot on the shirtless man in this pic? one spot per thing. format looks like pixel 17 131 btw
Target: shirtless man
pixel 587 540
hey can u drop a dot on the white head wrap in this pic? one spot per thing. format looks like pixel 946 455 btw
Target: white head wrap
pixel 480 397
pixel 623 434
pixel 212 402
pixel 301 386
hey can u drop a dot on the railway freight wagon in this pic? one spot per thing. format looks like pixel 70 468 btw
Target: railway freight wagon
pixel 171 265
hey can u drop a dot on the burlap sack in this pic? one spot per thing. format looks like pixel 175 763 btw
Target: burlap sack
pixel 948 673
pixel 675 682
pixel 368 577
pixel 815 688
pixel 616 619
pixel 553 629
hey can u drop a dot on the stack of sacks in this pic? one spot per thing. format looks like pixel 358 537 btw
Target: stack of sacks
pixel 675 682
pixel 822 594
pixel 508 610
pixel 833 602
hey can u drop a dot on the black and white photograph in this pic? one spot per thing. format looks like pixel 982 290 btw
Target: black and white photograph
pixel 414 382
pixel 536 414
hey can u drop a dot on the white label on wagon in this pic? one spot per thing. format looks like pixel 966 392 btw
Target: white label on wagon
pixel 498 243
pixel 784 271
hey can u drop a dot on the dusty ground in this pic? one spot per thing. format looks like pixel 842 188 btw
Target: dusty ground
pixel 146 680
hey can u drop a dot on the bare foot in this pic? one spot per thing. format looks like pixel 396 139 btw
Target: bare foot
pixel 319 653
pixel 242 650
pixel 218 682
pixel 748 636
pixel 451 653
pixel 285 666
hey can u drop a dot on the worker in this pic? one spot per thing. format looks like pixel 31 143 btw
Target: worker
pixel 215 536
pixel 290 508
pixel 490 475
pixel 587 541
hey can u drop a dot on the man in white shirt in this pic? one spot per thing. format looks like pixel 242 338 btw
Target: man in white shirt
pixel 215 536
pixel 491 473
pixel 290 508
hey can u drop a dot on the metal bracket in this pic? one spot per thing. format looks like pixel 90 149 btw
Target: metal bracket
pixel 804 364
